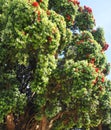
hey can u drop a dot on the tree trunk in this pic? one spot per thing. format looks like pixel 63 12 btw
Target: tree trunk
pixel 10 124
pixel 26 123
pixel 44 125
pixel 100 127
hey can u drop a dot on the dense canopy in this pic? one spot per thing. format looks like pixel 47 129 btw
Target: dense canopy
pixel 53 66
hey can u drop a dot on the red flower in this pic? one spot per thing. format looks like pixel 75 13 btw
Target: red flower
pixel 95 81
pixel 78 3
pixel 92 61
pixel 40 0
pixel 102 80
pixel 96 69
pixel 68 17
pixel 38 13
pixel 35 4
pixel 49 38
pixel 75 2
pixel 105 47
pixel 88 9
pixel 38 19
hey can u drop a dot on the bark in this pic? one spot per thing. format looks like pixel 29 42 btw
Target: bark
pixel 44 125
pixel 10 124
pixel 28 121
pixel 100 127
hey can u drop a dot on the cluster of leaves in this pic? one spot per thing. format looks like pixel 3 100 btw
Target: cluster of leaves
pixel 11 101
pixel 99 37
pixel 29 34
pixel 105 104
pixel 85 19
pixel 66 8
pixel 84 47
pixel 76 93
pixel 43 4
pixel 61 24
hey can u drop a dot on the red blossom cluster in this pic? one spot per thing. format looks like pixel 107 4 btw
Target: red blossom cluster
pixel 96 80
pixel 105 47
pixel 88 9
pixel 35 4
pixel 68 17
pixel 92 61
pixel 38 16
pixel 96 69
pixel 75 2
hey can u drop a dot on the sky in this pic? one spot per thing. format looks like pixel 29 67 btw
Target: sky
pixel 102 14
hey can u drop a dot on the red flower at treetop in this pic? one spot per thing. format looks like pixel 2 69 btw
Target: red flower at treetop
pixel 35 4
pixel 88 9
pixel 105 47
pixel 75 2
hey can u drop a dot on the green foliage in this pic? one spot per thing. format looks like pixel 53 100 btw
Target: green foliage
pixel 43 4
pixel 66 8
pixel 84 19
pixel 11 101
pixel 68 77
pixel 99 36
pixel 84 47
pixel 77 91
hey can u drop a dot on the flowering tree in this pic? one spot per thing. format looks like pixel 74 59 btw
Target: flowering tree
pixel 52 66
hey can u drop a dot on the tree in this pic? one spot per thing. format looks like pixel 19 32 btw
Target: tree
pixel 52 66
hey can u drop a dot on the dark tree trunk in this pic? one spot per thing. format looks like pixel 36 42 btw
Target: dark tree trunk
pixel 100 127
pixel 26 121
pixel 10 124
